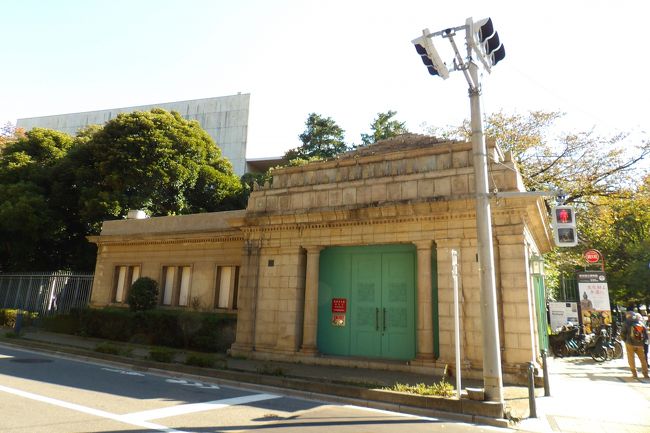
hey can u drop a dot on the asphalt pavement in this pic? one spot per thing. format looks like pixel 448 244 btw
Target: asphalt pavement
pixel 585 396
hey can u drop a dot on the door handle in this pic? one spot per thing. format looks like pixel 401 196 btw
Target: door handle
pixel 384 320
pixel 376 319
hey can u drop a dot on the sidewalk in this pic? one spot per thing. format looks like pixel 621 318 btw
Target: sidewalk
pixel 592 398
pixel 585 396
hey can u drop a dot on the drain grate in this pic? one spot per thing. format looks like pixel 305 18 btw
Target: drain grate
pixel 30 360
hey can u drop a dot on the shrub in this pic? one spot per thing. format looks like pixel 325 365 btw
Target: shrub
pixel 161 354
pixel 441 389
pixel 62 323
pixel 143 294
pixel 107 348
pixel 8 317
pixel 200 360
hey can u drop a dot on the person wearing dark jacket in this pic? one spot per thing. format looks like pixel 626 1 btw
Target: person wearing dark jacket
pixel 635 335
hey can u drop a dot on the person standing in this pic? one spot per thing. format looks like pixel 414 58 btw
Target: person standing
pixel 635 335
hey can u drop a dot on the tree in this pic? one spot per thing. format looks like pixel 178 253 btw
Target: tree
pixel 619 227
pixel 599 175
pixel 155 161
pixel 322 138
pixel 55 189
pixel 581 164
pixel 384 126
pixel 29 228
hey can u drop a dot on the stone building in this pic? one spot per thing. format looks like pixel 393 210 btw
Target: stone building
pixel 349 261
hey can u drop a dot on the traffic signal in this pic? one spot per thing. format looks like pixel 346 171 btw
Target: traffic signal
pixel 430 57
pixel 564 226
pixel 482 38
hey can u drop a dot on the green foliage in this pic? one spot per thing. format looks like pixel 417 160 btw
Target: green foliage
pixel 600 176
pixel 155 161
pixel 161 354
pixel 112 349
pixel 201 360
pixel 383 127
pixel 440 389
pixel 143 294
pixel 62 323
pixel 581 164
pixel 29 228
pixel 8 317
pixel 208 332
pixel 322 138
pixel 55 189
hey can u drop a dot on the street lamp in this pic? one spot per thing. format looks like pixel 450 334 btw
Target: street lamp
pixel 483 43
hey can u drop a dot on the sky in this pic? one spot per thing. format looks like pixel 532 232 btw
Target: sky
pixel 347 60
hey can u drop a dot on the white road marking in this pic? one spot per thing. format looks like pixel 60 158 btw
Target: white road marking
pixel 89 410
pixel 197 407
pixel 5 356
pixel 127 372
pixel 195 384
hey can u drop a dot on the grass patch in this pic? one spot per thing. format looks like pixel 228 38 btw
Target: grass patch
pixel 11 334
pixel 201 360
pixel 440 389
pixel 270 370
pixel 113 349
pixel 161 354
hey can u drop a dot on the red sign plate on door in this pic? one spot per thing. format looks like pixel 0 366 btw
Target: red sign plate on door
pixel 339 305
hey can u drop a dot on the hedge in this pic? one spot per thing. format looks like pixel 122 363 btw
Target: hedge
pixel 8 317
pixel 207 332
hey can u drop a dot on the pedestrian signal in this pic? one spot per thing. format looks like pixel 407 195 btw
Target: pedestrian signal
pixel 564 226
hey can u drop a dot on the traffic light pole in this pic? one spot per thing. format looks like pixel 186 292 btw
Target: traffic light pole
pixel 492 376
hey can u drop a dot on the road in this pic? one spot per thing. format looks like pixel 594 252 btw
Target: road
pixel 40 393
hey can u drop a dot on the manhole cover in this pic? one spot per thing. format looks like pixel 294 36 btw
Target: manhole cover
pixel 31 360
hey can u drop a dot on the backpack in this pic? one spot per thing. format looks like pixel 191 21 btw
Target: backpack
pixel 637 333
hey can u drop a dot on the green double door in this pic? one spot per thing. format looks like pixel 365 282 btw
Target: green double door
pixel 378 285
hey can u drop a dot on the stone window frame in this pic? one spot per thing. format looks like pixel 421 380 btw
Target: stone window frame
pixel 129 279
pixel 176 285
pixel 233 289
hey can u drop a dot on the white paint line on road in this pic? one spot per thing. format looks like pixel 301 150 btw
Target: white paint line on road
pixel 127 372
pixel 389 412
pixel 195 384
pixel 196 407
pixel 88 410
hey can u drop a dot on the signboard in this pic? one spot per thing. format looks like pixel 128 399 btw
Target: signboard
pixel 592 256
pixel 594 300
pixel 338 319
pixel 563 312
pixel 339 305
pixel 339 308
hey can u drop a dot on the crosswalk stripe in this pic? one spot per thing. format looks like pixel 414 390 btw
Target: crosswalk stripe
pixel 196 407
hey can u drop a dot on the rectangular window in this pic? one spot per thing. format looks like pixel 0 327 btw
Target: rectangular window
pixel 226 287
pixel 124 277
pixel 176 285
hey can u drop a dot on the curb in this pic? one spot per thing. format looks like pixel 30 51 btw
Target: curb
pixel 464 410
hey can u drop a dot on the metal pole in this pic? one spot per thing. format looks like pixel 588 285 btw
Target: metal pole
pixel 531 391
pixel 454 273
pixel 492 376
pixel 547 390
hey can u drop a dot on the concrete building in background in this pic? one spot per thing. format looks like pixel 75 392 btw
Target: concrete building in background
pixel 225 118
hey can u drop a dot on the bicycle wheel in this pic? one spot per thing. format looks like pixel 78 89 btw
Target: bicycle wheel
pixel 599 354
pixel 618 350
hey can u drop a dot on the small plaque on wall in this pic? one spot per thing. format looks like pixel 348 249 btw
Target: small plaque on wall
pixel 338 319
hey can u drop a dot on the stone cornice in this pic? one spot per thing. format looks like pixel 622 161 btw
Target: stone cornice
pixel 134 240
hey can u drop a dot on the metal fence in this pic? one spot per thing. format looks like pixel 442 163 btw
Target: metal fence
pixel 45 293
